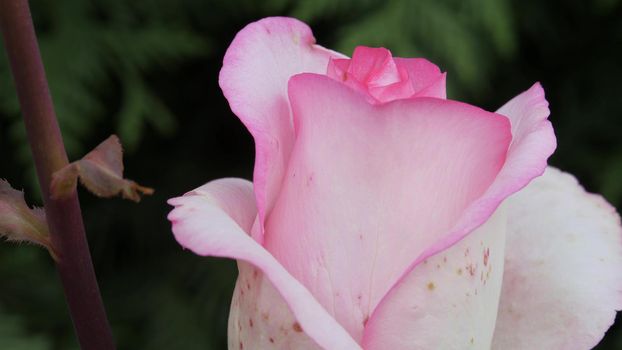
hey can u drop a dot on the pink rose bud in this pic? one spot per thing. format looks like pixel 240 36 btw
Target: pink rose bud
pixel 384 216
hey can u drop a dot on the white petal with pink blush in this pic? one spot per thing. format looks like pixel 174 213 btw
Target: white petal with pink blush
pixel 383 215
pixel 562 280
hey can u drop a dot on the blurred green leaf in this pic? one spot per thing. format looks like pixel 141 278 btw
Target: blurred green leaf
pixel 14 334
pixel 93 50
pixel 465 38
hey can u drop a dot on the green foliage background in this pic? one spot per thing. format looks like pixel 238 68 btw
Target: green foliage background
pixel 147 70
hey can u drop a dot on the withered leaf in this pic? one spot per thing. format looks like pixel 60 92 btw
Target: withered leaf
pixel 101 172
pixel 19 222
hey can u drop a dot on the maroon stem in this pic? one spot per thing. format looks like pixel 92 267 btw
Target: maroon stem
pixel 63 215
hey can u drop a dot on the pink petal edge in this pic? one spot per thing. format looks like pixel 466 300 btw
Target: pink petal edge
pixel 207 221
pixel 256 69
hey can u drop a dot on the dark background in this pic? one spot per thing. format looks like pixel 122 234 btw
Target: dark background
pixel 147 70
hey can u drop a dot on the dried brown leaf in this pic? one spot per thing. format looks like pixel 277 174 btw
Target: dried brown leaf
pixel 19 222
pixel 101 172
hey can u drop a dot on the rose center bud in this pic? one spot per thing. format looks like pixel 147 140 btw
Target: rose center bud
pixel 374 72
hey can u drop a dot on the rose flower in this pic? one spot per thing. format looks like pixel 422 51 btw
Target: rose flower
pixel 384 216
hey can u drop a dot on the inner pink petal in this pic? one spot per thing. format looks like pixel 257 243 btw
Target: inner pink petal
pixel 373 66
pixel 374 73
pixel 368 188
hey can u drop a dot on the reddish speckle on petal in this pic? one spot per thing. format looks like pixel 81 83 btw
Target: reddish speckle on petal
pixel 486 256
pixel 296 327
pixel 250 322
pixel 471 268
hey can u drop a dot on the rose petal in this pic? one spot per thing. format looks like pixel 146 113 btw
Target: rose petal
pixel 375 72
pixel 260 318
pixel 373 66
pixel 563 272
pixel 370 187
pixel 425 77
pixel 448 302
pixel 533 142
pixel 372 71
pixel 215 220
pixel 256 68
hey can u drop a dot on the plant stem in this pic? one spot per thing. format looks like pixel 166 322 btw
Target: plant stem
pixel 63 216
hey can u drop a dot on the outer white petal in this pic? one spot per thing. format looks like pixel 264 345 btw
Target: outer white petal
pixel 450 300
pixel 260 318
pixel 563 270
